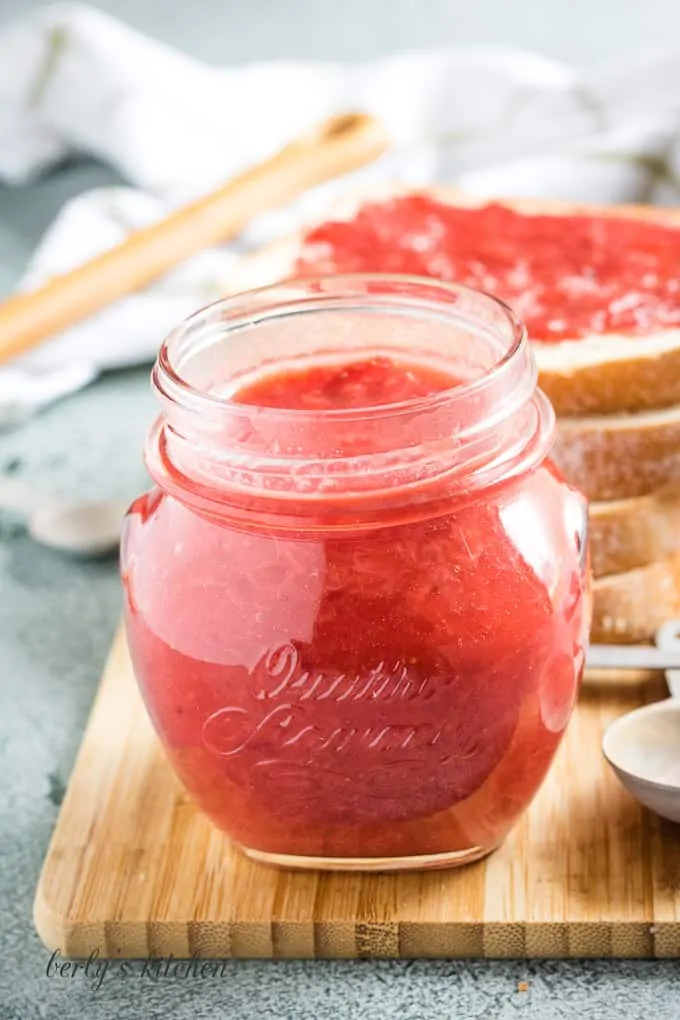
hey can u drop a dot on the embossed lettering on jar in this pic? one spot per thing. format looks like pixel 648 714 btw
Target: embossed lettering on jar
pixel 356 598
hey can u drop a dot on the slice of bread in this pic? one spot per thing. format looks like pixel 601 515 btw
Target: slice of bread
pixel 630 533
pixel 620 456
pixel 628 608
pixel 597 375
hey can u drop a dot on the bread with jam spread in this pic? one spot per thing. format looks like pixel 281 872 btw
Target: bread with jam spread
pixel 588 375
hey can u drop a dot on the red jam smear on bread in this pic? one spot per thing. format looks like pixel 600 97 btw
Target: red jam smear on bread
pixel 566 276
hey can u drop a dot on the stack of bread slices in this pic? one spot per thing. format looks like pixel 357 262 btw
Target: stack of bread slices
pixel 618 405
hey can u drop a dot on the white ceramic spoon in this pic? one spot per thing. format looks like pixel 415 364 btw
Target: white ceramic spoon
pixel 77 528
pixel 82 529
pixel 643 746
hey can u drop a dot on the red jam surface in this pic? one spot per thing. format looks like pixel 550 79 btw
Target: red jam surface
pixel 566 276
pixel 366 383
pixel 399 690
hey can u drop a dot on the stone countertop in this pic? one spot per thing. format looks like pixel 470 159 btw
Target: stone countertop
pixel 57 616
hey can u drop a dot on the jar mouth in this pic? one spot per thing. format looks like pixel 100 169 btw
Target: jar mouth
pixel 349 293
pixel 487 424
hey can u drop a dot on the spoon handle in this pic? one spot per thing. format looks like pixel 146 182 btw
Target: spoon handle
pixel 631 657
pixel 665 654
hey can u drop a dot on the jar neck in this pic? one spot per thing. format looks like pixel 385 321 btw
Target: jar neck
pixel 255 463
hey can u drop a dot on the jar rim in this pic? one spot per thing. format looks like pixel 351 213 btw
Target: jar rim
pixel 491 424
pixel 319 294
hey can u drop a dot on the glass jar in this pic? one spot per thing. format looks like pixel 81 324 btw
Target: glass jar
pixel 356 598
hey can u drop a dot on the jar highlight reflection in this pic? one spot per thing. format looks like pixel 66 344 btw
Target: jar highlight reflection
pixel 355 599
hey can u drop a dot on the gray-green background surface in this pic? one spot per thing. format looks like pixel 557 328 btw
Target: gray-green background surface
pixel 57 616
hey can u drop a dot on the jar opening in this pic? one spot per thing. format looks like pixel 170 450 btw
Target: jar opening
pixel 205 360
pixel 464 432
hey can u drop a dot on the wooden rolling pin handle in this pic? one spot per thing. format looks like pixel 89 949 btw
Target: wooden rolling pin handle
pixel 341 144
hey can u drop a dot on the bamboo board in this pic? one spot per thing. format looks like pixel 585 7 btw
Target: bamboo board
pixel 134 870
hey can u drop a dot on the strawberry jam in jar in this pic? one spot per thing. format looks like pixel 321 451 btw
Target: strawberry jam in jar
pixel 356 599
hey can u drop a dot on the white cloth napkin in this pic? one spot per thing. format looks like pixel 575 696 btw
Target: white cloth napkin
pixel 496 121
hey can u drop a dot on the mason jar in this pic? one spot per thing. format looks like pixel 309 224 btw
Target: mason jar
pixel 356 596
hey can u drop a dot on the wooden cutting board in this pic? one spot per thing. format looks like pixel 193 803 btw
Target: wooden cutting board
pixel 134 870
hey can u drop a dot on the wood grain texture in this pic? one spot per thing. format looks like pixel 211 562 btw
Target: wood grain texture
pixel 135 870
